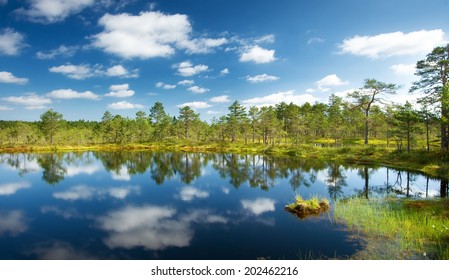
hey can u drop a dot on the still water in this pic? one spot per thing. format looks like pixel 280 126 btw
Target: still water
pixel 146 205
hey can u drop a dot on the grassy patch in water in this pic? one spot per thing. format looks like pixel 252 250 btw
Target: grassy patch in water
pixel 304 208
pixel 397 228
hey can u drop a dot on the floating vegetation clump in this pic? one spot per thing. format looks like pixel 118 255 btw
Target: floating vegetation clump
pixel 304 208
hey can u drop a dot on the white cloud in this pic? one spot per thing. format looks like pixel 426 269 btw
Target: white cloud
pixel 258 206
pixel 329 81
pixel 189 193
pixel 3 2
pixel 150 34
pixel 11 42
pixel 13 223
pixel 122 72
pixel 5 108
pixel 72 94
pixel 120 91
pixel 77 72
pixel 12 188
pixel 224 72
pixel 268 39
pixel 31 101
pixel 201 45
pixel 83 71
pixel 80 192
pixel 186 82
pixel 121 193
pixel 315 40
pixel 60 51
pixel 261 78
pixel 123 105
pixel 9 78
pixel 220 99
pixel 165 86
pixel 257 55
pixel 393 44
pixel 49 11
pixel 275 98
pixel 404 69
pixel 195 105
pixel 187 69
pixel 198 90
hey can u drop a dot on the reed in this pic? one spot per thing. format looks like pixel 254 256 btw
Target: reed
pixel 416 229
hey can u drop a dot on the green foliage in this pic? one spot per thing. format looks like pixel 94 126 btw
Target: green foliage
pixel 416 228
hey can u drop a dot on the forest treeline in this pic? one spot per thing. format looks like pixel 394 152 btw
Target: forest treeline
pixel 364 115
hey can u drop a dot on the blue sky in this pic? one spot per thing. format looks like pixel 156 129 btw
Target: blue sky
pixel 84 57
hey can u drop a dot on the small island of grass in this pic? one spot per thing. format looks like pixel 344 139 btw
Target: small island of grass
pixel 303 208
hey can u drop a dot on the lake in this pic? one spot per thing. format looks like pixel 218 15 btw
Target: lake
pixel 148 205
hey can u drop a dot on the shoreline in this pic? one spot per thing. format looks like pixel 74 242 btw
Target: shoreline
pixel 431 163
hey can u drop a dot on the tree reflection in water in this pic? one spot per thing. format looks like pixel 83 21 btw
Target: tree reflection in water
pixel 256 171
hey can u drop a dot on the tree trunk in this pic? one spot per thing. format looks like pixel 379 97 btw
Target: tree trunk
pixel 366 126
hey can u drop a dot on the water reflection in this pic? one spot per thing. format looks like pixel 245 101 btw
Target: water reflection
pixel 262 172
pixel 12 223
pixel 140 205
pixel 152 227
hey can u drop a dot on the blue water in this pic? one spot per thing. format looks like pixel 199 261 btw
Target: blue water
pixel 144 205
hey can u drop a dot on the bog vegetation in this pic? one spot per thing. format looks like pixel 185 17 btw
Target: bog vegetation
pixel 365 117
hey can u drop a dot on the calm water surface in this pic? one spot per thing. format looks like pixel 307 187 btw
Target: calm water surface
pixel 145 205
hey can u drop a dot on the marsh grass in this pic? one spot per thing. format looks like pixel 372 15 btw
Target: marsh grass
pixel 398 229
pixel 304 208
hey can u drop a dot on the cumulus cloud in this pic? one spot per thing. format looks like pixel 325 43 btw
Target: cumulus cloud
pixel 65 51
pixel 165 86
pixel 50 11
pixel 121 175
pixel 150 34
pixel 72 94
pixel 257 55
pixel 198 90
pixel 77 72
pixel 220 99
pixel 31 101
pixel 11 42
pixel 84 71
pixel 186 82
pixel 330 81
pixel 195 105
pixel 259 205
pixel 187 69
pixel 121 72
pixel 9 78
pixel 12 188
pixel 404 69
pixel 189 193
pixel 120 91
pixel 285 96
pixel 393 44
pixel 74 170
pixel 224 72
pixel 123 105
pixel 261 78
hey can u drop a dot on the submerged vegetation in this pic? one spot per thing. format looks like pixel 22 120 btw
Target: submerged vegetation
pixel 397 228
pixel 304 208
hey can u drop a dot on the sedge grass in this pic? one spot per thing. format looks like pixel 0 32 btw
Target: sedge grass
pixel 416 229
